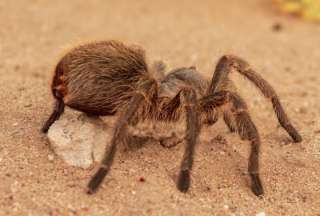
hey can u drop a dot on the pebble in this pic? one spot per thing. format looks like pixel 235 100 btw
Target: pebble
pixel 277 27
pixel 50 157
pixel 142 179
pixel 65 171
pixel 261 214
pixel 78 140
pixel 302 110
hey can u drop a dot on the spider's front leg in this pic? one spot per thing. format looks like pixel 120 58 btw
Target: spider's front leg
pixel 189 101
pixel 187 98
pixel 226 65
pixel 245 127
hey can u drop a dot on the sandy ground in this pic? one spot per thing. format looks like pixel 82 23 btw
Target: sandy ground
pixel 34 34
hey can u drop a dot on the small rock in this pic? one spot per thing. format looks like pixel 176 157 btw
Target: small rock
pixel 65 172
pixel 50 157
pixel 261 214
pixel 142 179
pixel 79 140
pixel 11 197
pixel 301 110
pixel 222 153
pixel 85 208
pixel 276 27
pixel 317 131
pixel 16 67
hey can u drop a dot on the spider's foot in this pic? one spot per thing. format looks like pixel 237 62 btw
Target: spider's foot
pixel 96 181
pixel 184 181
pixel 294 134
pixel 45 127
pixel 256 186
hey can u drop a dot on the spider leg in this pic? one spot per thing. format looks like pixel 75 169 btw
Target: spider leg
pixel 57 111
pixel 192 134
pixel 248 131
pixel 193 108
pixel 225 66
pixel 170 111
pixel 229 120
pixel 120 133
pixel 237 108
pixel 221 82
pixel 58 95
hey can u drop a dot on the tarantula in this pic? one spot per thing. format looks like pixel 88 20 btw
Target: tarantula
pixel 108 78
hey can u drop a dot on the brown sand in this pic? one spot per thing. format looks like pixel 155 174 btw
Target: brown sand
pixel 34 34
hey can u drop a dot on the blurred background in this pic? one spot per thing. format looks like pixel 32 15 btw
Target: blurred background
pixel 279 38
pixel 307 9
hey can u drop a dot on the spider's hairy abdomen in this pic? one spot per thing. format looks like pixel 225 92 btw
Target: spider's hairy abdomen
pixel 100 77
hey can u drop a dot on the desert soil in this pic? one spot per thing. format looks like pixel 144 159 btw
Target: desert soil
pixel 35 34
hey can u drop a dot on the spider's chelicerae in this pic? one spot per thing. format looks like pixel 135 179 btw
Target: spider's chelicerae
pixel 108 77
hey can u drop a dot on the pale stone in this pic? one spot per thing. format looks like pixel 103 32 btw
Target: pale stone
pixel 79 140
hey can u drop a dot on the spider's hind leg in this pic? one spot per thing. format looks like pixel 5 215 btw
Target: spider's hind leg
pixel 58 88
pixel 57 111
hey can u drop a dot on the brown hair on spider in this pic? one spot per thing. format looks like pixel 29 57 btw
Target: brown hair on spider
pixel 109 77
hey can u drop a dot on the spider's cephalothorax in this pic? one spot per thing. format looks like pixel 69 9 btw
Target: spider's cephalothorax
pixel 107 78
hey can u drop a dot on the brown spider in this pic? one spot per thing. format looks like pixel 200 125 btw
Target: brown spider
pixel 108 77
